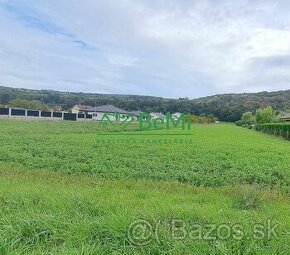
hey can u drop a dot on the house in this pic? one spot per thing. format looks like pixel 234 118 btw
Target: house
pixel 102 112
pixel 285 117
pixel 176 115
pixel 78 108
pixel 157 115
pixel 137 114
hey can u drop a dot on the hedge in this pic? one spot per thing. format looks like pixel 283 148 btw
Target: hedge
pixel 278 129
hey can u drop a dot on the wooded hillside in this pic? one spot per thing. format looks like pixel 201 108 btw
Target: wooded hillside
pixel 226 107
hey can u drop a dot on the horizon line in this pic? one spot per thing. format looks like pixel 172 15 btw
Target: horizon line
pixel 140 95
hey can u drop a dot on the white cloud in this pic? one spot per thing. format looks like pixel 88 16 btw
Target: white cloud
pixel 164 48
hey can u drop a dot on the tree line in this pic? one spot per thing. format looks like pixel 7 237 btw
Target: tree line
pixel 261 116
pixel 225 107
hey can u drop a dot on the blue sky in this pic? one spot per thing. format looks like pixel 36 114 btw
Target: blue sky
pixel 163 48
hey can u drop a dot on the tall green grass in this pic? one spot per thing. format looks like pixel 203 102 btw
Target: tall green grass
pixel 218 155
pixel 63 192
pixel 50 213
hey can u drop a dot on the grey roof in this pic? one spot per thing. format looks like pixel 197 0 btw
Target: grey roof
pixel 137 113
pixel 110 108
pixel 103 108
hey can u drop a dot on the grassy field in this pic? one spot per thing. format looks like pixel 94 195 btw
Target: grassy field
pixel 217 155
pixel 70 188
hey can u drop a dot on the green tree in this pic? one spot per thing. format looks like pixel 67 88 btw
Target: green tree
pixel 265 115
pixel 27 104
pixel 248 118
pixel 211 118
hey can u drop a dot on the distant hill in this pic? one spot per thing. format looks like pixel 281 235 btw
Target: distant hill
pixel 227 107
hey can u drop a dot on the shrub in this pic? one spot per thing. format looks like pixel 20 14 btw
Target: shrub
pixel 265 115
pixel 279 129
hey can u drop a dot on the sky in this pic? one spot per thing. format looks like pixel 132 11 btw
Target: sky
pixel 168 48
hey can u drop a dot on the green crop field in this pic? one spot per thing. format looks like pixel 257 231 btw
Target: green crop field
pixel 72 188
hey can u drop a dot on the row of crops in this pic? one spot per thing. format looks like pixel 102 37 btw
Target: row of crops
pixel 277 129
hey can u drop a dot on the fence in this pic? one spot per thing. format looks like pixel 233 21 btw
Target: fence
pixel 42 115
pixel 277 129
